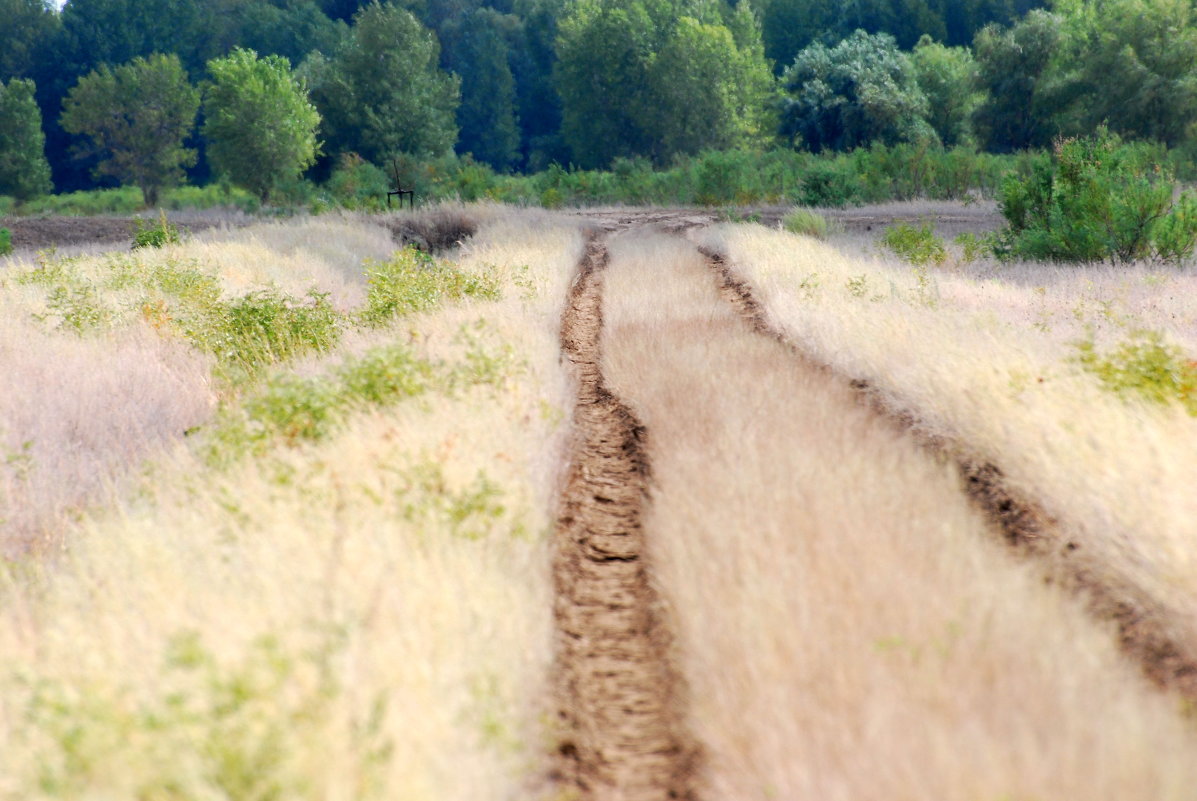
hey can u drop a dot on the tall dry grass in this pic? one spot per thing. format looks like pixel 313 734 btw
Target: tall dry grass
pixel 365 616
pixel 847 628
pixel 990 362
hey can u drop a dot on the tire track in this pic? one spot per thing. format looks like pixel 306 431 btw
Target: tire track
pixel 618 695
pixel 1144 631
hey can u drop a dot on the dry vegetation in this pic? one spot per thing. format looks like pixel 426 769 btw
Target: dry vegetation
pixel 277 505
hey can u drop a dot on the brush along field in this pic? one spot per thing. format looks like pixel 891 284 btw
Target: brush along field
pixel 627 507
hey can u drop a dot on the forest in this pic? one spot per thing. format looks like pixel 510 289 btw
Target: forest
pixel 278 96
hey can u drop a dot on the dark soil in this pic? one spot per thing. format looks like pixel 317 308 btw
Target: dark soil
pixel 618 695
pixel 43 233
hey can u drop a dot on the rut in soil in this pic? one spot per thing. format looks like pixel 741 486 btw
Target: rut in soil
pixel 618 694
pixel 1143 631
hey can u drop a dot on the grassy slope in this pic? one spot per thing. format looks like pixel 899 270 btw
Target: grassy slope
pixel 847 627
pixel 364 616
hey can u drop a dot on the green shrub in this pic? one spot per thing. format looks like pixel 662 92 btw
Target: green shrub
pixel 413 281
pixel 830 184
pixel 294 408
pixel 155 236
pixel 918 246
pixel 806 222
pixel 5 242
pixel 1097 199
pixel 972 247
pixel 384 375
pixel 1145 366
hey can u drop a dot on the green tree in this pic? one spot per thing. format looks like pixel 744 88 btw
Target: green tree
pixel 1013 71
pixel 1130 64
pixel 28 28
pixel 947 76
pixel 259 123
pixel 24 171
pixel 382 92
pixel 477 51
pixel 862 90
pixel 136 117
pixel 658 78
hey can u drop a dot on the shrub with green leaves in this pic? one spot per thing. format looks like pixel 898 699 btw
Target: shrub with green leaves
pixel 155 236
pixel 1097 199
pixel 1144 366
pixel 413 281
pixel 5 242
pixel 918 246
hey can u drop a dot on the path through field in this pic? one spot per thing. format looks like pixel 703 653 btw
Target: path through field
pixel 768 586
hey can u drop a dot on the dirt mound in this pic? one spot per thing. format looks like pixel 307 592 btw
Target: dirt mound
pixel 433 231
pixel 618 694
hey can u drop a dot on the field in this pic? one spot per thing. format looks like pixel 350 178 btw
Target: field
pixel 607 504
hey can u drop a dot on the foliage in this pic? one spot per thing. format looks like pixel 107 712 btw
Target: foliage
pixel 862 90
pixel 1097 199
pixel 155 236
pixel 413 281
pixel 1130 65
pixel 1013 72
pixel 24 171
pixel 805 222
pixel 659 79
pixel 5 242
pixel 1146 366
pixel 260 126
pixel 918 246
pixel 477 50
pixel 137 117
pixel 947 76
pixel 358 184
pixel 29 26
pixel 381 93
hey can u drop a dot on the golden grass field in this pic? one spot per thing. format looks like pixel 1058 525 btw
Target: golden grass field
pixel 266 537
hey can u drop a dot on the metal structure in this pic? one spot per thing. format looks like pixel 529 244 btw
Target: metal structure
pixel 410 193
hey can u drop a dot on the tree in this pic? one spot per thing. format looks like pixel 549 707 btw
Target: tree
pixel 382 92
pixel 136 117
pixel 1013 70
pixel 477 51
pixel 862 90
pixel 1130 64
pixel 659 78
pixel 24 171
pixel 947 76
pixel 28 27
pixel 259 123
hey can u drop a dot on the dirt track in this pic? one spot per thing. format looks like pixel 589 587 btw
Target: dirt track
pixel 618 695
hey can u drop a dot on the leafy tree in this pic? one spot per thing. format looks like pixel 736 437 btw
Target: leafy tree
pixel 259 123
pixel 29 26
pixel 947 76
pixel 1013 70
pixel 477 51
pixel 381 92
pixel 289 28
pixel 1131 64
pixel 860 91
pixel 538 103
pixel 24 171
pixel 658 78
pixel 107 32
pixel 136 117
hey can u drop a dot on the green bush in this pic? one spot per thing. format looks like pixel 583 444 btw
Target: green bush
pixel 1097 199
pixel 1145 366
pixel 918 246
pixel 806 222
pixel 413 281
pixel 155 236
pixel 358 184
pixel 5 242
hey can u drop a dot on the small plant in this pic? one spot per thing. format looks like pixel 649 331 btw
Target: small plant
pixel 385 375
pixel 414 281
pixel 806 223
pixel 918 246
pixel 858 286
pixel 5 242
pixel 972 247
pixel 146 236
pixel 1144 365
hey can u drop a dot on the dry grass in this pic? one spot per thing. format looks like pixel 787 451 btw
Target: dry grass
pixel 362 617
pixel 848 629
pixel 987 362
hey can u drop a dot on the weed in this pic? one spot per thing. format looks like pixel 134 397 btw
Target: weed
pixel 972 247
pixel 806 222
pixel 414 281
pixel 1145 366
pixel 858 286
pixel 918 246
pixel 468 512
pixel 385 375
pixel 78 307
pixel 926 289
pixel 293 408
pixel 146 236
pixel 5 242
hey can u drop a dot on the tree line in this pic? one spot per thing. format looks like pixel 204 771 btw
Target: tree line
pixel 147 92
